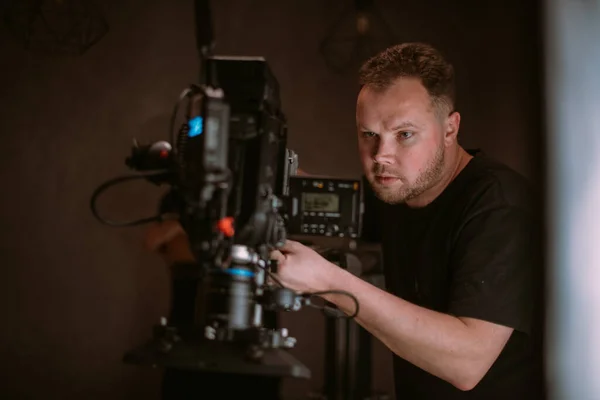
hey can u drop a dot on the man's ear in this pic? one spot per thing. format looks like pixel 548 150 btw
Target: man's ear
pixel 451 128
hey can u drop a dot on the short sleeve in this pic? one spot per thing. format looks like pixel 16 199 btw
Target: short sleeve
pixel 492 268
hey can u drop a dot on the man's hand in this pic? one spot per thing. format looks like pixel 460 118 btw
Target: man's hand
pixel 303 269
pixel 170 241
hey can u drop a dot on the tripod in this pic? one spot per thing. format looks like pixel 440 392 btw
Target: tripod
pixel 201 369
pixel 348 354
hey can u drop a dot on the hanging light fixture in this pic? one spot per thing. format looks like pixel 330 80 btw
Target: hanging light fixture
pixel 359 33
pixel 57 27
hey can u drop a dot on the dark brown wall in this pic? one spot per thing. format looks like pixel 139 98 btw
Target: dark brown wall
pixel 77 294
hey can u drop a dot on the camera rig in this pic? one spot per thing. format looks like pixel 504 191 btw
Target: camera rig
pixel 229 169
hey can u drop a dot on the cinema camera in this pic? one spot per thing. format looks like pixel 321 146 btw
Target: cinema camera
pixel 233 189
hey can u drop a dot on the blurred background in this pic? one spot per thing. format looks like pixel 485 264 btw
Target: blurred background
pixel 81 79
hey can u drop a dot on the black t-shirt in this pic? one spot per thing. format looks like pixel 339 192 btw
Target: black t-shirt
pixel 472 252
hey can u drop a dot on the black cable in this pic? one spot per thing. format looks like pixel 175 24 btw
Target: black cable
pixel 341 292
pixel 116 181
pixel 309 295
pixel 272 276
pixel 277 281
pixel 182 96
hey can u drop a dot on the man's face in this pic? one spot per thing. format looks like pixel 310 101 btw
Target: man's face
pixel 400 140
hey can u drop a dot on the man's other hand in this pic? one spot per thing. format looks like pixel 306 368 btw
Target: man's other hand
pixel 170 241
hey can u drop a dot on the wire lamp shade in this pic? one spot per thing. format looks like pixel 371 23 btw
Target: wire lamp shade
pixel 56 27
pixel 359 33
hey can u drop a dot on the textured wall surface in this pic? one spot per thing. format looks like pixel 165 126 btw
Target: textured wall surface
pixel 77 294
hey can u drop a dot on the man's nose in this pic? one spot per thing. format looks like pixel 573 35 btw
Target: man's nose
pixel 385 151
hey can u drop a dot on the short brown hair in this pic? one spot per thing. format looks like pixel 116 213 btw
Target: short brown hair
pixel 415 60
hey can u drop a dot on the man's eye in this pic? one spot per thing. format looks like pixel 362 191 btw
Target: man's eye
pixel 367 134
pixel 406 135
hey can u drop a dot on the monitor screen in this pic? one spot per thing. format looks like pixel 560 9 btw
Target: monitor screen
pixel 320 202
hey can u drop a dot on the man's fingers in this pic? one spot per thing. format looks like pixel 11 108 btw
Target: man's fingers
pixel 161 233
pixel 177 251
pixel 168 239
pixel 290 246
pixel 301 172
pixel 277 256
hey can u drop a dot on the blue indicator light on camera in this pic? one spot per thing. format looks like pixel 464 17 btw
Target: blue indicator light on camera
pixel 240 272
pixel 195 125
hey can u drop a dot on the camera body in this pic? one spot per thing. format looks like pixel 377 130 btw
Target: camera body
pixel 234 190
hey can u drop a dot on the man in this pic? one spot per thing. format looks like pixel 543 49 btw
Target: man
pixel 458 239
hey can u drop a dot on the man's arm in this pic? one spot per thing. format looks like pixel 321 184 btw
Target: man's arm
pixel 458 350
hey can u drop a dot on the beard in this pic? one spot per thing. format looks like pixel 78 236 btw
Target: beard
pixel 428 177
